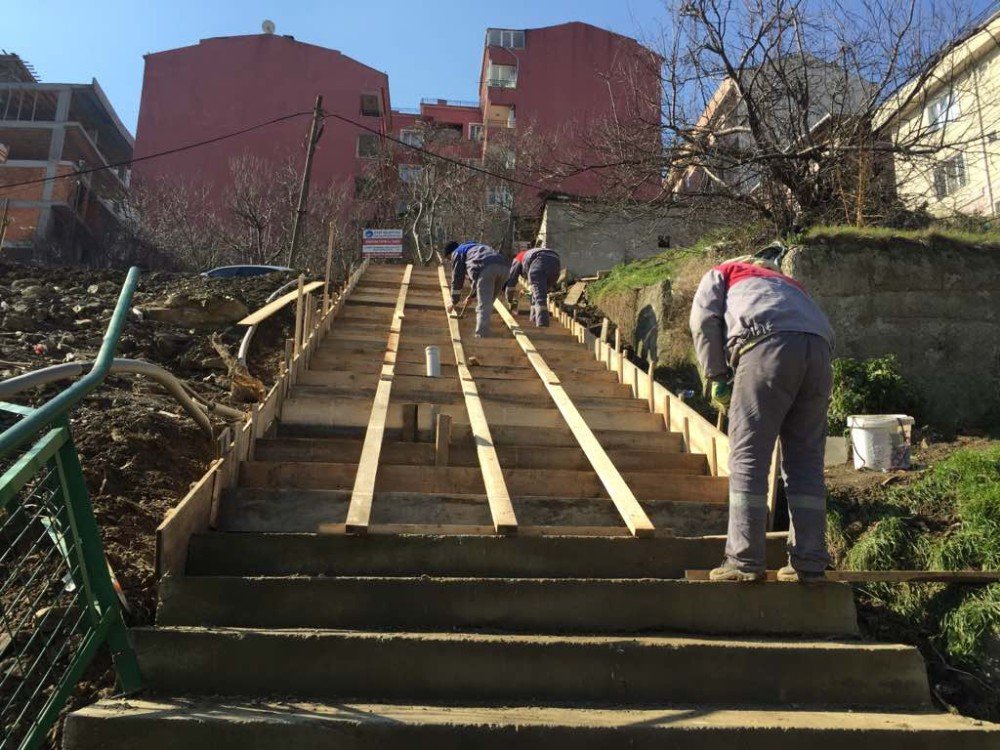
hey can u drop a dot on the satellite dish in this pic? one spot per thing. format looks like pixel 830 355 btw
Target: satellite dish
pixel 267 27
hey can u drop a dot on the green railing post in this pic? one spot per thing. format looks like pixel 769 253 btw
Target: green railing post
pixel 58 604
pixel 94 564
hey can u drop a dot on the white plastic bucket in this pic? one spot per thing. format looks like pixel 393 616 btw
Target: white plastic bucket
pixel 433 356
pixel 881 441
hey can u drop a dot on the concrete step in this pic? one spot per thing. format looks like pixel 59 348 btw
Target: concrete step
pixel 315 510
pixel 676 483
pixel 510 435
pixel 228 724
pixel 480 556
pixel 489 667
pixel 523 605
pixel 332 450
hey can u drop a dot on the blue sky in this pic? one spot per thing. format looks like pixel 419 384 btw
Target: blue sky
pixel 428 47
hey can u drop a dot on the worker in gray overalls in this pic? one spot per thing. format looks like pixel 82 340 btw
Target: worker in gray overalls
pixel 765 346
pixel 541 267
pixel 487 272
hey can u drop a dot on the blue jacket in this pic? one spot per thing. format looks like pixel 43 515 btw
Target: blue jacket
pixel 470 258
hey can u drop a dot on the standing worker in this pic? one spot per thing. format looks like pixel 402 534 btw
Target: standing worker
pixel 541 267
pixel 765 347
pixel 487 271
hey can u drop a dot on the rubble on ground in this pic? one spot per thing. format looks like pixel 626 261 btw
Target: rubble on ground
pixel 140 451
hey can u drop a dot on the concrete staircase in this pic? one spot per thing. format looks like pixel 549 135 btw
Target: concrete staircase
pixel 287 632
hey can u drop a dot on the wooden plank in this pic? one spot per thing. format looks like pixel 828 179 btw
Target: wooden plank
pixel 360 509
pixel 271 308
pixel 191 516
pixel 497 495
pixel 633 515
pixel 468 480
pixel 983 577
pixel 423 529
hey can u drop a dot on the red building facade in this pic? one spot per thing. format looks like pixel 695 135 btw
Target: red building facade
pixel 559 83
pixel 225 84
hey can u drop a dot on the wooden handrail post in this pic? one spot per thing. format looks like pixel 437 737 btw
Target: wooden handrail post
pixel 299 305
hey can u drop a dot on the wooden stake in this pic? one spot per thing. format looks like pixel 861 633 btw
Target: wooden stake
pixel 604 330
pixel 650 382
pixel 329 266
pixel 409 423
pixel 442 439
pixel 299 310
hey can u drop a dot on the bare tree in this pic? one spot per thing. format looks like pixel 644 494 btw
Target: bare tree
pixel 781 108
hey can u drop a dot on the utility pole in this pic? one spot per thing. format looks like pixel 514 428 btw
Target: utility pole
pixel 315 132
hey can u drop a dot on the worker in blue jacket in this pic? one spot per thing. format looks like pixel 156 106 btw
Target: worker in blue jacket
pixel 487 271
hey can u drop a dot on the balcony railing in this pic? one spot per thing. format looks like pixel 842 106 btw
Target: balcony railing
pixel 502 83
pixel 448 103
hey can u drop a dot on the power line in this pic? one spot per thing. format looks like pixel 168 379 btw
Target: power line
pixel 216 139
pixel 432 154
pixel 168 152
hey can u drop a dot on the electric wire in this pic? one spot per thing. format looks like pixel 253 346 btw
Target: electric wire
pixel 234 134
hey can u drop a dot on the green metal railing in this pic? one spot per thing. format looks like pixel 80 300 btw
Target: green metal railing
pixel 58 604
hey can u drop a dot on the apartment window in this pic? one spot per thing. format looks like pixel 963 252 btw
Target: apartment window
pixel 410 173
pixel 362 185
pixel 942 110
pixel 367 145
pixel 499 196
pixel 475 131
pixel 949 176
pixel 370 105
pixel 502 76
pixel 412 138
pixel 509 38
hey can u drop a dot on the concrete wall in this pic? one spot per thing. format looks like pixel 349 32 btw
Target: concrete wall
pixel 935 305
pixel 595 238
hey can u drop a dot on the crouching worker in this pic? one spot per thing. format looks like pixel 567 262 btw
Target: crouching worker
pixel 487 272
pixel 765 346
pixel 541 267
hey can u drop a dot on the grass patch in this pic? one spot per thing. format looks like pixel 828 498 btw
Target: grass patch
pixel 882 235
pixel 645 272
pixel 947 519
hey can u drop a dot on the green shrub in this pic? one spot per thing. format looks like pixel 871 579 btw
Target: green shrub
pixel 870 386
pixel 966 629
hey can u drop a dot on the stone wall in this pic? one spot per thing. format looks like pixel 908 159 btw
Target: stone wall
pixel 592 238
pixel 934 304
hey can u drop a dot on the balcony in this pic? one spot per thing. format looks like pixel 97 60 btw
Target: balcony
pixel 502 83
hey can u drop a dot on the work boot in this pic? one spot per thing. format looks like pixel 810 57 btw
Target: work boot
pixel 788 574
pixel 729 572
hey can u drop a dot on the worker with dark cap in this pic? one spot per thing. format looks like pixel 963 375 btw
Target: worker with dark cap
pixel 487 272
pixel 541 267
pixel 765 347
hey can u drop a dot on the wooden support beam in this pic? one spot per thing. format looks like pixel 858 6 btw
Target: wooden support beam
pixel 442 439
pixel 501 509
pixel 259 316
pixel 632 514
pixel 981 577
pixel 360 510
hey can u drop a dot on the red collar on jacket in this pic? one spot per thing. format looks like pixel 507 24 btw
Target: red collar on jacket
pixel 735 272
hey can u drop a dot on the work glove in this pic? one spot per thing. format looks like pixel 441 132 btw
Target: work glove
pixel 722 394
